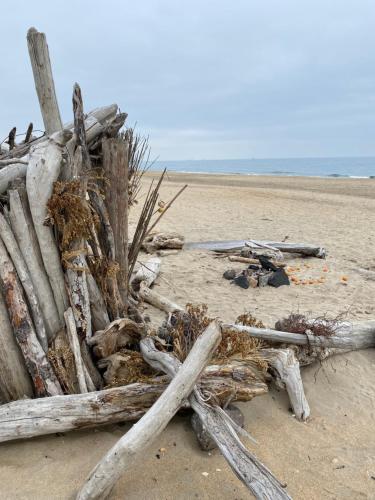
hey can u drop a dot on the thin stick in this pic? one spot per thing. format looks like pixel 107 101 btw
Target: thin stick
pixel 168 205
pixel 74 345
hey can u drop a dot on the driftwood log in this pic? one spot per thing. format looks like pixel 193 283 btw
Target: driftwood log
pixel 126 451
pixel 235 245
pixel 351 336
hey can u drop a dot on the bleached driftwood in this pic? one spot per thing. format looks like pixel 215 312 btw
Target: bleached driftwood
pixel 286 371
pixel 148 272
pixel 157 300
pixel 61 357
pixel 23 229
pixel 75 347
pixel 258 479
pixel 10 173
pixel 94 124
pixel 158 241
pixel 43 171
pixel 37 417
pixel 352 336
pixel 24 276
pixel 129 447
pixel 12 161
pixel 15 381
pixel 230 246
pixel 29 418
pixel 44 84
pixel 38 366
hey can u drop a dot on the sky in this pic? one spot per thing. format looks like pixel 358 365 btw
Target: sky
pixel 207 79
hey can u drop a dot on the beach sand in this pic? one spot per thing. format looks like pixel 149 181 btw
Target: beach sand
pixel 330 457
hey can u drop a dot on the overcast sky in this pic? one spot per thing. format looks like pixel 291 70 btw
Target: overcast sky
pixel 206 79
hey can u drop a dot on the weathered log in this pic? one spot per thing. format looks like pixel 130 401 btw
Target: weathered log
pixel 128 448
pixel 230 246
pixel 352 336
pixel 157 300
pixel 115 166
pixel 75 347
pixel 15 381
pixel 23 229
pixel 286 371
pixel 257 478
pixel 24 276
pixel 29 418
pixel 13 161
pixel 42 172
pixel 148 272
pixel 94 124
pixel 38 366
pixel 158 241
pixel 43 78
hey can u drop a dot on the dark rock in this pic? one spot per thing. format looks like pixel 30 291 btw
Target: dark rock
pixel 229 274
pixel 205 441
pixel 266 263
pixel 279 278
pixel 242 281
pixel 254 267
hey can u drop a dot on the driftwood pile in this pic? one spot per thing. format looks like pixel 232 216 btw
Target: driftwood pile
pixel 75 349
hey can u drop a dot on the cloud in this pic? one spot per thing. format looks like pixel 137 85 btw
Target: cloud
pixel 208 79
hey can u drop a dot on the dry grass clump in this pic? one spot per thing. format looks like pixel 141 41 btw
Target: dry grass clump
pixel 62 361
pixel 72 216
pixel 132 368
pixel 300 323
pixel 187 326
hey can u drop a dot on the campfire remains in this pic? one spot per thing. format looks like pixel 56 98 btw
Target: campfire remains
pixel 76 351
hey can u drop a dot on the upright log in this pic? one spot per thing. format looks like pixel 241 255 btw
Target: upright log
pixel 115 166
pixel 40 370
pixel 24 231
pixel 24 276
pixel 15 382
pixel 125 452
pixel 43 171
pixel 43 78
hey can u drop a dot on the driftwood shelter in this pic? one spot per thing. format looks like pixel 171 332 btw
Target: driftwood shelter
pixel 75 349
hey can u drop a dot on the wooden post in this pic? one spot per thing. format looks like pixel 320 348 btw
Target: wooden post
pixel 43 78
pixel 115 165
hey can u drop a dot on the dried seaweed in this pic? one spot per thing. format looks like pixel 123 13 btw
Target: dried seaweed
pixel 73 217
pixel 299 323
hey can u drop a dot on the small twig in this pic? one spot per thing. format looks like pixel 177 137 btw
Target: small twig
pixel 168 205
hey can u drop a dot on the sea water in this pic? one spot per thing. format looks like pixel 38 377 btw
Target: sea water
pixel 320 167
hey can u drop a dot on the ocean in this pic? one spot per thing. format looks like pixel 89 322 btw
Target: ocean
pixel 360 167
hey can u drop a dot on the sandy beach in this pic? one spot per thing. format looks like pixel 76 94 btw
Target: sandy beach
pixel 332 456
